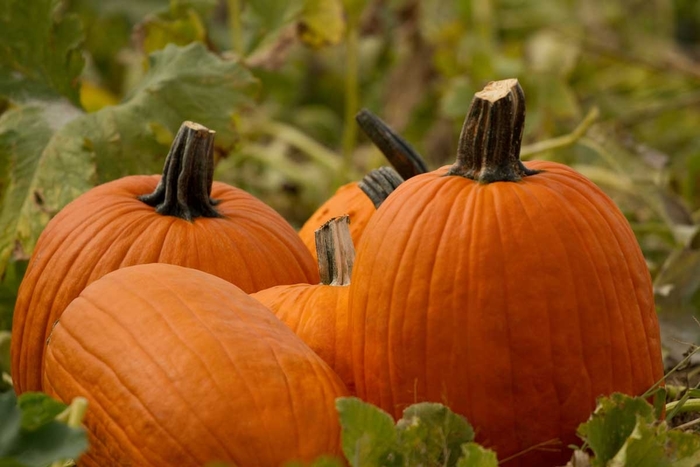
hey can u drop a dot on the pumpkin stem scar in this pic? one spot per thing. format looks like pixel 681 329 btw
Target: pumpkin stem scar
pixel 379 183
pixel 489 145
pixel 184 191
pixel 335 250
pixel 397 151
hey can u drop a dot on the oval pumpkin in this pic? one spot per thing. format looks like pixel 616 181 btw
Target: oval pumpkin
pixel 317 313
pixel 180 218
pixel 514 293
pixel 360 200
pixel 183 368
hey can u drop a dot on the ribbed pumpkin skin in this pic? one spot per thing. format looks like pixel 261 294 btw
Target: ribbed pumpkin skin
pixel 348 199
pixel 181 368
pixel 108 228
pixel 318 314
pixel 514 303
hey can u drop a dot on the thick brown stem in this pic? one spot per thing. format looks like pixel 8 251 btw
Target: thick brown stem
pixel 379 183
pixel 398 152
pixel 489 146
pixel 335 250
pixel 184 190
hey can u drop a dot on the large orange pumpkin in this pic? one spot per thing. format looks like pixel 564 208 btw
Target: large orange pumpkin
pixel 318 313
pixel 181 368
pixel 359 200
pixel 180 218
pixel 515 293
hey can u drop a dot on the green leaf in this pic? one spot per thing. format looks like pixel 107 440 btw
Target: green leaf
pixel 24 134
pixel 322 23
pixel 430 433
pixel 369 434
pixel 40 50
pixel 612 423
pixel 643 448
pixel 14 273
pixel 35 439
pixel 38 409
pixel 474 455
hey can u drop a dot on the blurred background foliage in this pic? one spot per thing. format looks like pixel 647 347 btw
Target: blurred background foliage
pixel 625 72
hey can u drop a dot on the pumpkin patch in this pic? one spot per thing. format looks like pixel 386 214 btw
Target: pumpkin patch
pixel 213 254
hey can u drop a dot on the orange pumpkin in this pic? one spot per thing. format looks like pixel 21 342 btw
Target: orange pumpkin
pixel 360 200
pixel 515 293
pixel 318 313
pixel 183 368
pixel 180 218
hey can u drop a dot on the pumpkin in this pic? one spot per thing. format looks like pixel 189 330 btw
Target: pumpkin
pixel 182 368
pixel 180 218
pixel 318 313
pixel 515 293
pixel 360 199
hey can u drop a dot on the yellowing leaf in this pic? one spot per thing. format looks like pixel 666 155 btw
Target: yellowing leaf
pixel 94 97
pixel 322 23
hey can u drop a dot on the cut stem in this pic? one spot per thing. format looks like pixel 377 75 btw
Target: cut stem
pixel 379 183
pixel 489 146
pixel 335 250
pixel 184 190
pixel 397 151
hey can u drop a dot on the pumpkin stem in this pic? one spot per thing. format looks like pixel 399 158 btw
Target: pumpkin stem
pixel 335 250
pixel 184 190
pixel 489 146
pixel 379 183
pixel 397 151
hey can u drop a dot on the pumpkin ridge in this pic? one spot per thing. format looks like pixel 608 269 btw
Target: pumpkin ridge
pixel 185 310
pixel 439 243
pixel 156 365
pixel 77 341
pixel 392 291
pixel 600 280
pixel 624 251
pixel 551 308
pixel 93 407
pixel 515 415
pixel 522 424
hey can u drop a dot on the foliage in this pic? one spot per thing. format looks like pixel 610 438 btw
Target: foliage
pixel 31 434
pixel 623 431
pixel 428 434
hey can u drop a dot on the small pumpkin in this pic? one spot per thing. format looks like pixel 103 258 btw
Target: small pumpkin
pixel 182 368
pixel 360 199
pixel 318 313
pixel 182 218
pixel 515 293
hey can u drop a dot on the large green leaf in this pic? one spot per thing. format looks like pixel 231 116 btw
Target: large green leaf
pixel 29 434
pixel 183 83
pixel 612 424
pixel 431 434
pixel 369 434
pixel 40 50
pixel 474 455
pixel 24 134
